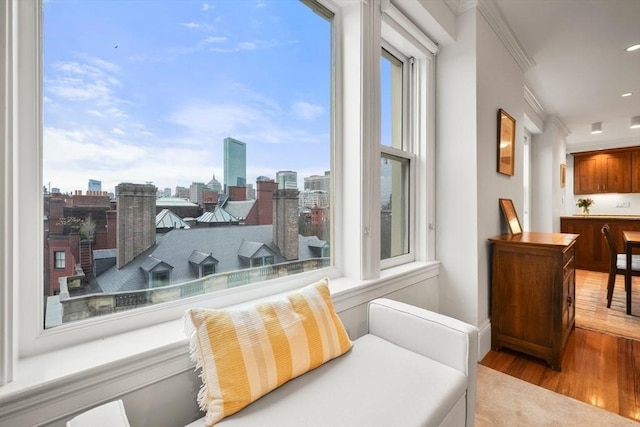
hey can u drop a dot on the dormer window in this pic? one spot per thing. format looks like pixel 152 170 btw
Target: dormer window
pixel 202 264
pixel 157 272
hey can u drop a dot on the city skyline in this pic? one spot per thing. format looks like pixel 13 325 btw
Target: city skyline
pixel 135 102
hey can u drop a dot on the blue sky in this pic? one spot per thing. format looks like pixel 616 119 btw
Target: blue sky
pixel 147 90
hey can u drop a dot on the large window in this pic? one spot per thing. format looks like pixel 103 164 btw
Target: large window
pixel 137 98
pixel 145 99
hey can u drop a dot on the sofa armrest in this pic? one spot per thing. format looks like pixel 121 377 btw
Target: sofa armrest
pixel 436 336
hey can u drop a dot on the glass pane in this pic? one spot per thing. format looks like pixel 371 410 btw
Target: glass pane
pixel 394 206
pixel 391 100
pixel 166 125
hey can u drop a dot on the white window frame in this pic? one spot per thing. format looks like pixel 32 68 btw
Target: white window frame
pixel 357 38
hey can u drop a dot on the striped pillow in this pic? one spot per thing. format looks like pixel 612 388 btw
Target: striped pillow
pixel 245 353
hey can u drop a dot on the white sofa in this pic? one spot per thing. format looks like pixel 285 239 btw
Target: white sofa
pixel 413 368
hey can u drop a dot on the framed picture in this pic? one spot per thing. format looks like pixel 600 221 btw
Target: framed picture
pixel 506 142
pixel 510 215
pixel 563 175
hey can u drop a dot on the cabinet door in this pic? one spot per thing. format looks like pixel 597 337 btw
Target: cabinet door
pixel 616 172
pixel 586 175
pixel 635 171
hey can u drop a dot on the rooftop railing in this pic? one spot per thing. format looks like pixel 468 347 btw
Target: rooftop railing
pixel 99 304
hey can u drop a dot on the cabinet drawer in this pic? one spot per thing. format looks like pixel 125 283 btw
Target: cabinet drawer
pixel 568 255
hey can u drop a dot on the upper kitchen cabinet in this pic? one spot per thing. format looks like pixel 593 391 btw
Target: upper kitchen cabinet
pixel 607 171
pixel 635 171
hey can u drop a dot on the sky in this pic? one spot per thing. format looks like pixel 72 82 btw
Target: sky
pixel 147 90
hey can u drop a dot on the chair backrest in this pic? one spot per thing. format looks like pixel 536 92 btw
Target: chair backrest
pixel 611 242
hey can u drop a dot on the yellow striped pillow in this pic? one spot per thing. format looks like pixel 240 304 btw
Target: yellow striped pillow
pixel 245 353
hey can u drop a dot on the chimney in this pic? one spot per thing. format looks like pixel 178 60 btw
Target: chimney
pixel 136 218
pixel 264 200
pixel 112 227
pixel 285 222
pixel 56 211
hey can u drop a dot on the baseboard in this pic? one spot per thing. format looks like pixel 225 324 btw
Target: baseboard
pixel 484 339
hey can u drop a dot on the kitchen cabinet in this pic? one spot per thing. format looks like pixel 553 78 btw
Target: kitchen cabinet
pixel 635 171
pixel 532 293
pixel 607 171
pixel 592 252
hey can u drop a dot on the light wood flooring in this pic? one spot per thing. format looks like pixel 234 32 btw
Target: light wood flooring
pixel 597 368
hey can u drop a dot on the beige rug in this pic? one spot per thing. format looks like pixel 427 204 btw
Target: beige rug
pixel 591 305
pixel 507 401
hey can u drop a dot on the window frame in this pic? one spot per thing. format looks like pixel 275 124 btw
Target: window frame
pixel 407 152
pixel 62 259
pixel 355 195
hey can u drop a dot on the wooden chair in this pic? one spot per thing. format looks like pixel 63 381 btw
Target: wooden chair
pixel 617 263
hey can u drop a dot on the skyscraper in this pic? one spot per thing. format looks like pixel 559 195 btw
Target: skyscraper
pixel 94 185
pixel 287 180
pixel 235 163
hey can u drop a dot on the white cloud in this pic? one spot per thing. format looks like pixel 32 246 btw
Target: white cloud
pixel 206 7
pixel 306 110
pixel 190 25
pixel 118 131
pixel 210 40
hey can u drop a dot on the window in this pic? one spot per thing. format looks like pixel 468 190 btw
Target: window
pixel 59 260
pixel 395 165
pixel 140 111
pixel 349 123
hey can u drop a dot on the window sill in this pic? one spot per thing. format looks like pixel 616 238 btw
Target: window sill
pixel 61 381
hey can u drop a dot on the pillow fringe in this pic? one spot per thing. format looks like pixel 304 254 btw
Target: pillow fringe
pixel 194 354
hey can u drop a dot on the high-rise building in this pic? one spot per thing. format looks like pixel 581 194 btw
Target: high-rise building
pixel 317 182
pixel 235 163
pixel 287 180
pixel 182 192
pixel 94 185
pixel 195 192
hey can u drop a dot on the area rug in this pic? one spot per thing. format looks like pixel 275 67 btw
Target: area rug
pixel 591 305
pixel 507 401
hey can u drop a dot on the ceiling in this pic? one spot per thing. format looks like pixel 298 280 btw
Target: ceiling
pixel 581 68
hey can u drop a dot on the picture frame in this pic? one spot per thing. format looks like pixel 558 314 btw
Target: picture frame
pixel 510 215
pixel 506 143
pixel 563 175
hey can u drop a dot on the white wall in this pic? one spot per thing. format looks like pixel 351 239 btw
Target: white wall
pixel 548 198
pixel 476 77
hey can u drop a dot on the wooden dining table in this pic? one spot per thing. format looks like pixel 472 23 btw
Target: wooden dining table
pixel 631 240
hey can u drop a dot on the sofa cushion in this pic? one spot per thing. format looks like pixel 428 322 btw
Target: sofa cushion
pixel 377 383
pixel 248 351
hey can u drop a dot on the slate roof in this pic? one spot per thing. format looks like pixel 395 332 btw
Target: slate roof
pixel 224 243
pixel 167 219
pixel 218 216
pixel 239 209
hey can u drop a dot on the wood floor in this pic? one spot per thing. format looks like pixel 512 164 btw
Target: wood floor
pixel 600 369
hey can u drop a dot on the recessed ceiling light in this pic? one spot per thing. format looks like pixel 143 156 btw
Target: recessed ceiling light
pixel 633 47
pixel 624 95
pixel 596 128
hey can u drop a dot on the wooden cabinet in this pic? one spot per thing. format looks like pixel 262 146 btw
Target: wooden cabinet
pixel 592 252
pixel 635 171
pixel 532 293
pixel 603 172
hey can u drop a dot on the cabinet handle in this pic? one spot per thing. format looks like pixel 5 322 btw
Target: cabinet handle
pixel 569 301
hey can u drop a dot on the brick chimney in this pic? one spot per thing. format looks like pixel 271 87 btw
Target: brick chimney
pixel 285 222
pixel 264 201
pixel 136 218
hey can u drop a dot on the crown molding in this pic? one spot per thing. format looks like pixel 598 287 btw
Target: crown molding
pixel 533 102
pixel 557 121
pixel 577 147
pixel 491 12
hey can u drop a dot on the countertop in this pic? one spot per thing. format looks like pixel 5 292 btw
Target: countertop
pixel 598 216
